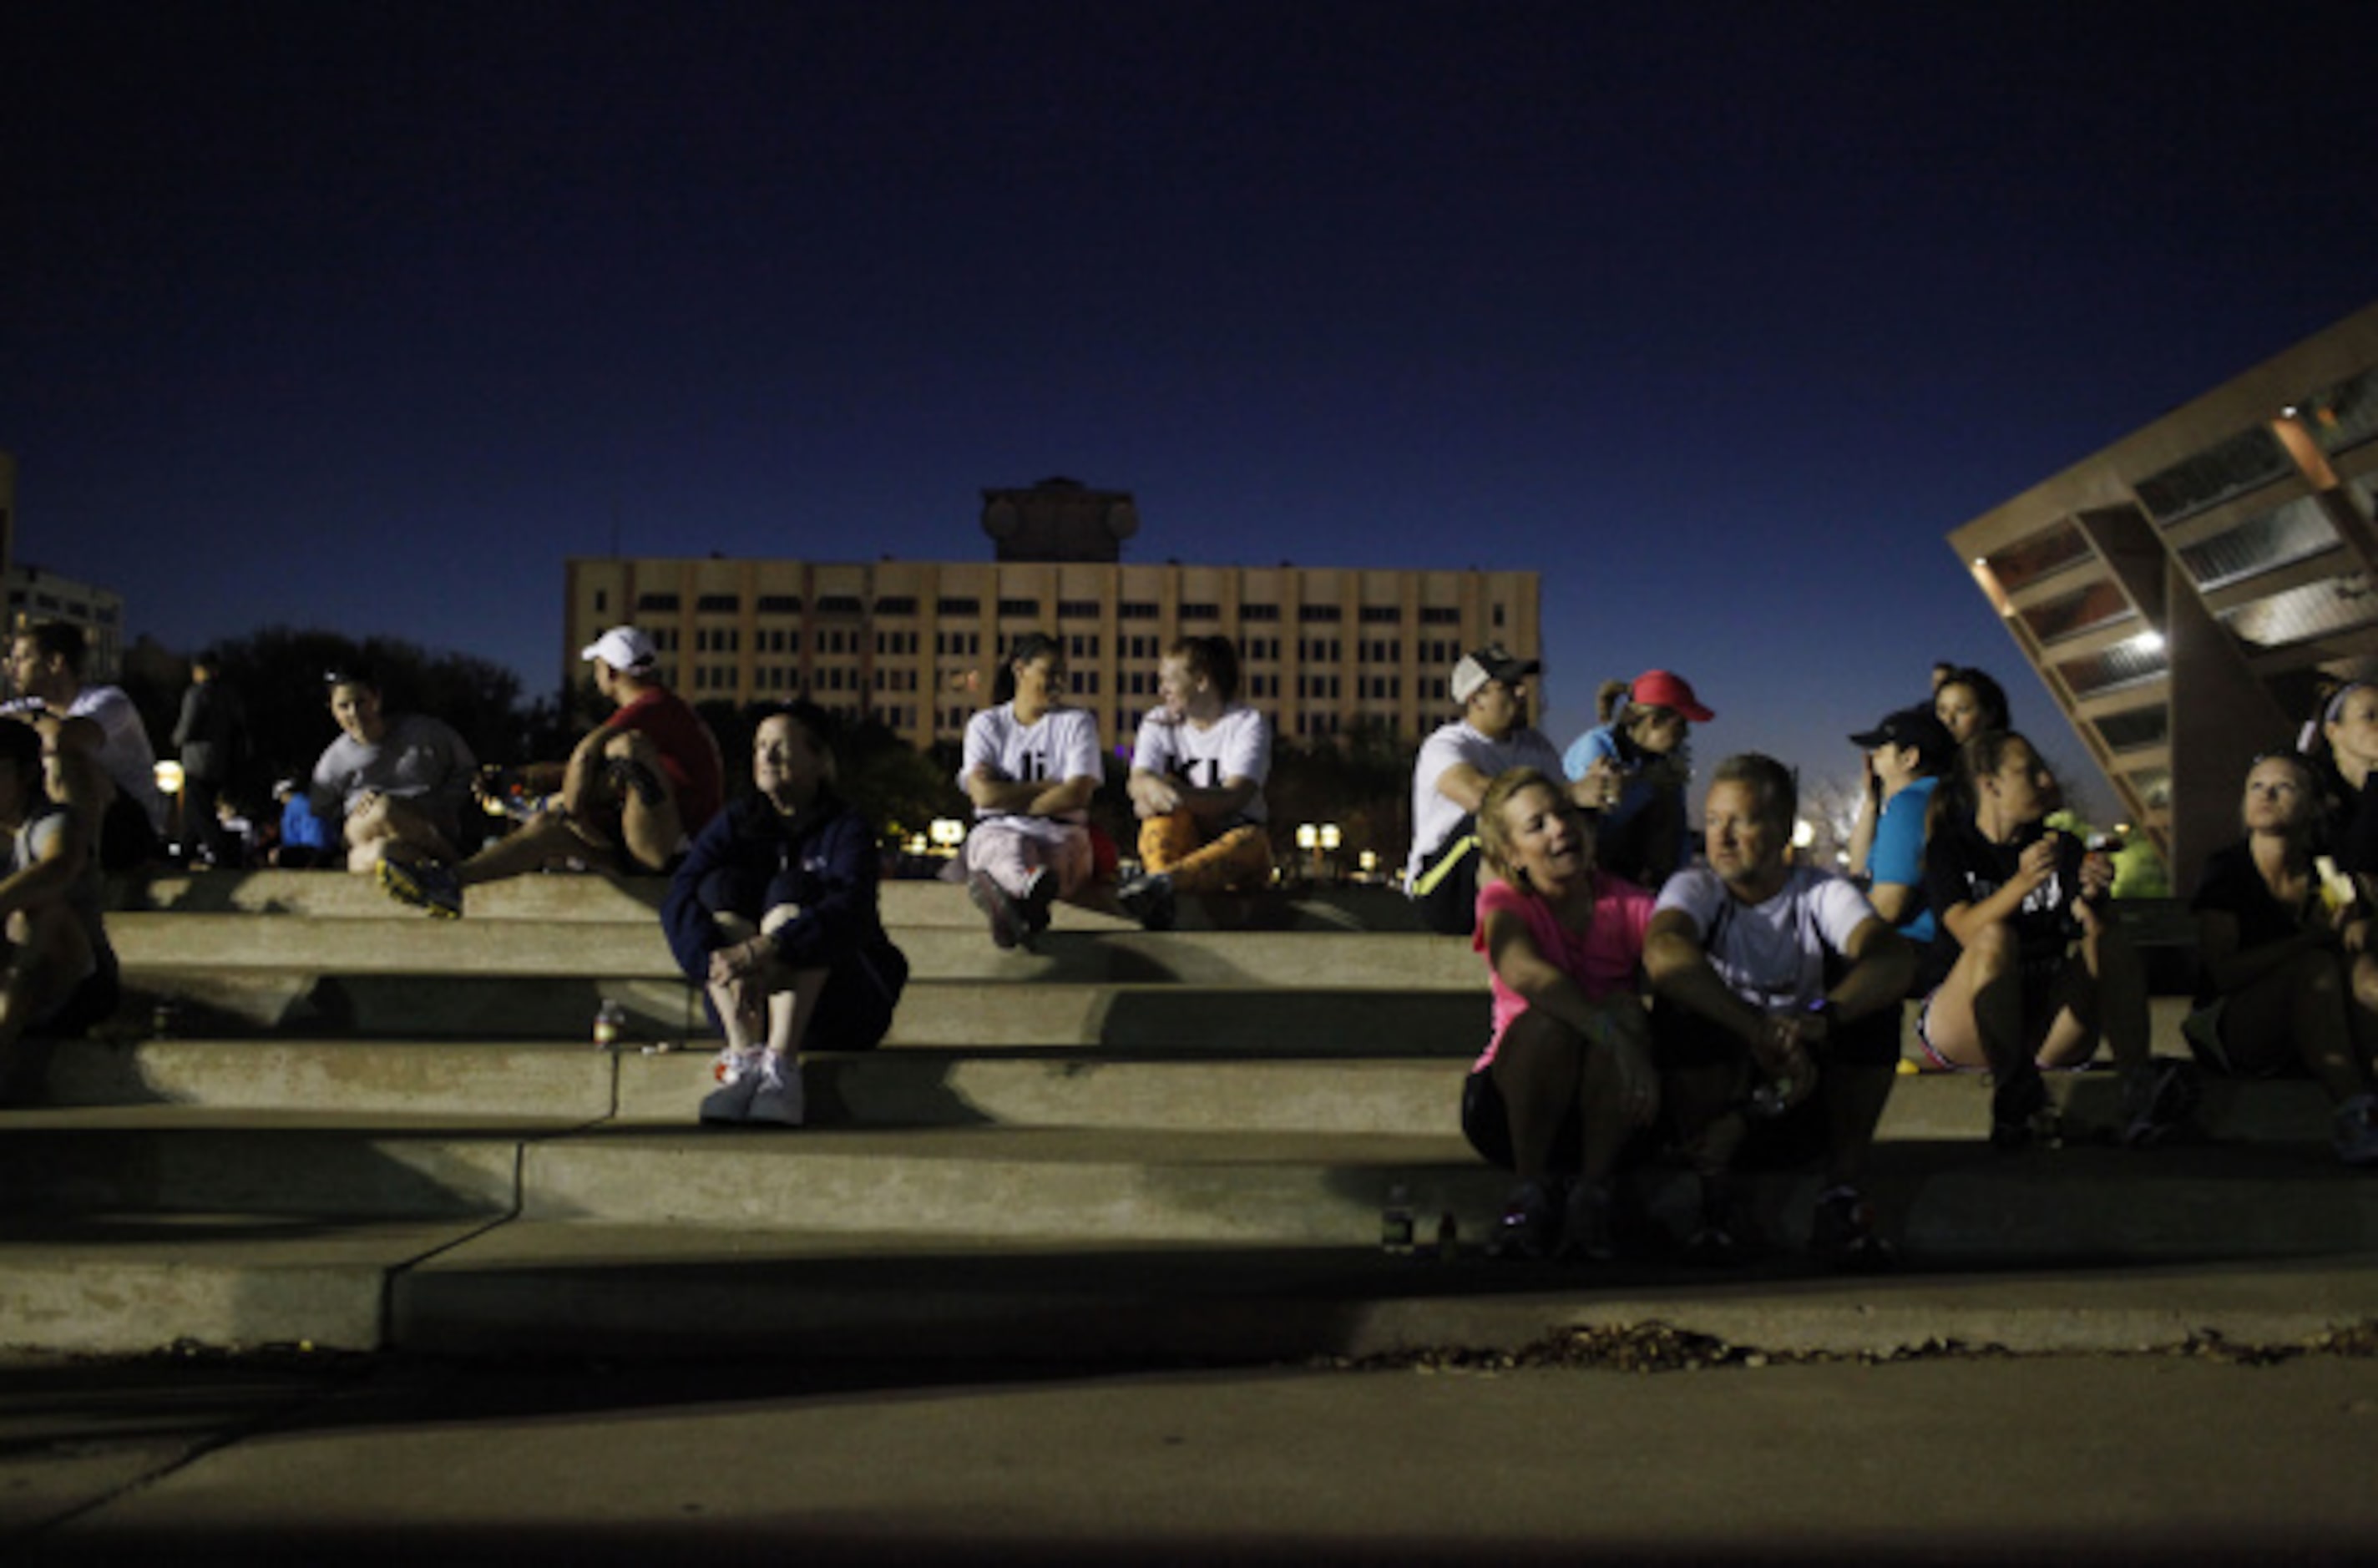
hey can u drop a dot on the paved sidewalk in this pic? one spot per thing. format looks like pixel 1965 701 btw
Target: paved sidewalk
pixel 2164 1456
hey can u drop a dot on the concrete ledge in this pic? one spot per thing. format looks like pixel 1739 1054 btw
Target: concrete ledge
pixel 127 1284
pixel 590 898
pixel 628 1291
pixel 180 1159
pixel 932 1086
pixel 410 944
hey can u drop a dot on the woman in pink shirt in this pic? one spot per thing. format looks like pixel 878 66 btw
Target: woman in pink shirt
pixel 1568 1074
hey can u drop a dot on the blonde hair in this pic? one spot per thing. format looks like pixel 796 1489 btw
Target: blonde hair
pixel 1495 833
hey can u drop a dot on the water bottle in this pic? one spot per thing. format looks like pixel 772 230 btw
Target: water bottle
pixel 610 1018
pixel 1396 1223
pixel 1776 1095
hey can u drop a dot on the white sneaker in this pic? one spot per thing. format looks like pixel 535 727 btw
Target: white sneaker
pixel 738 1076
pixel 778 1097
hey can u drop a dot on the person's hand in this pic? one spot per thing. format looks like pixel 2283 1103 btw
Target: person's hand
pixel 1638 1081
pixel 1156 797
pixel 1602 783
pixel 738 961
pixel 2037 863
pixel 1783 1041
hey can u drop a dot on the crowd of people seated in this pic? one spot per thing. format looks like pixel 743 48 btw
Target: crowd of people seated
pixel 1722 1001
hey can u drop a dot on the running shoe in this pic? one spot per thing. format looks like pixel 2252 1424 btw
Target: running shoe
pixel 1841 1233
pixel 1585 1227
pixel 1038 894
pixel 425 884
pixel 1006 917
pixel 2156 1099
pixel 1149 901
pixel 738 1075
pixel 777 1099
pixel 1530 1225
pixel 2015 1107
pixel 2355 1136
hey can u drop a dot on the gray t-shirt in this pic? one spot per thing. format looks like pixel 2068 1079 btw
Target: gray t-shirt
pixel 416 758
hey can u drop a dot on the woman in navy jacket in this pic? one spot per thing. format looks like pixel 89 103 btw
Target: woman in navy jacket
pixel 774 912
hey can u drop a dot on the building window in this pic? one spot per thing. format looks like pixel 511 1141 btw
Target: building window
pixel 1259 612
pixel 1077 609
pixel 1019 609
pixel 1310 613
pixel 602 601
pixel 1440 615
pixel 656 604
pixel 896 604
pixel 1136 610
pixel 2276 538
pixel 2245 460
pixel 718 605
pixel 1082 645
pixel 1201 612
pixel 958 606
pixel 779 604
pixel 840 604
pixel 2043 555
pixel 1382 615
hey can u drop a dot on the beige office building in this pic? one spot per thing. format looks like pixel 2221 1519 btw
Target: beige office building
pixel 1325 650
pixel 2183 593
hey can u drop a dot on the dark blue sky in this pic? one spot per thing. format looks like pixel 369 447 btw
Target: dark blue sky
pixel 366 315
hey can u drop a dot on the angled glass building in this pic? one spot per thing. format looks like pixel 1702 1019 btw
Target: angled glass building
pixel 2183 593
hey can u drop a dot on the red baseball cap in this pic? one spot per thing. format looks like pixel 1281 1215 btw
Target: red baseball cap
pixel 1663 689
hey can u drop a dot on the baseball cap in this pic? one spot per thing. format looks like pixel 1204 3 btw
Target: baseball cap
pixel 1493 661
pixel 1917 727
pixel 1664 689
pixel 623 648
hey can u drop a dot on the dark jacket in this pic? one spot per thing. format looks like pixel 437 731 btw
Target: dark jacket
pixel 747 862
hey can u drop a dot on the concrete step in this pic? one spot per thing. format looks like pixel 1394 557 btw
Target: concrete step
pixel 311 1164
pixel 1194 1020
pixel 586 899
pixel 1952 1201
pixel 151 941
pixel 926 1085
pixel 1955 1202
pixel 129 1283
pixel 564 1290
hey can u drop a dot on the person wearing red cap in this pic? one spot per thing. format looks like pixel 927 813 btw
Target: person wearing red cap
pixel 1633 767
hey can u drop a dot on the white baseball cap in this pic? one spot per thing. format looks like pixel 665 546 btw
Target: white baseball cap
pixel 623 648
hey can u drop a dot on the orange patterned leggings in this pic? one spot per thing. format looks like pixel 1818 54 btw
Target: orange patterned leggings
pixel 1236 861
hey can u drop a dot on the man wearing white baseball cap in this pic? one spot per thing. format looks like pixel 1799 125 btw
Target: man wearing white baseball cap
pixel 1455 765
pixel 631 798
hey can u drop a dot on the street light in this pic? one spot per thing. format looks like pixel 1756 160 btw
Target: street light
pixel 947 833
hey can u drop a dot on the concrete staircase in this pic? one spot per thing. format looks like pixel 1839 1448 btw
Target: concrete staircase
pixel 359 1128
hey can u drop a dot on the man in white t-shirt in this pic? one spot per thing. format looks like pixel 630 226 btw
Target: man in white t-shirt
pixel 1030 766
pixel 1765 974
pixel 1197 773
pixel 106 765
pixel 1455 765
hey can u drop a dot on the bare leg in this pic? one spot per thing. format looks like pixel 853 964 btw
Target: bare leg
pixel 546 838
pixel 651 831
pixel 1975 1018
